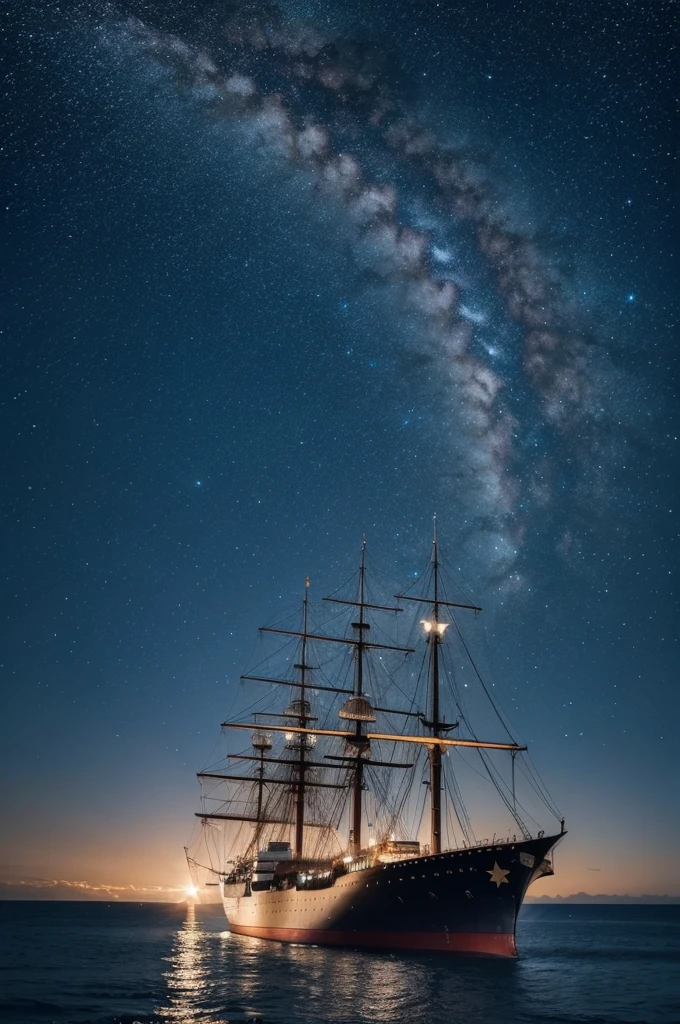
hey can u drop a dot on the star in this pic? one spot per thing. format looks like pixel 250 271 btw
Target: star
pixel 498 875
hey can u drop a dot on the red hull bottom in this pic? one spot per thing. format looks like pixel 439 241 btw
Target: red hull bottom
pixel 474 943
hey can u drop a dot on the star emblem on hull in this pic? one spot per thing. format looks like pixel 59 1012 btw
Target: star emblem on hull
pixel 498 875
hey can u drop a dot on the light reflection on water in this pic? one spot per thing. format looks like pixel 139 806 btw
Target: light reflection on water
pixel 567 969
pixel 162 964
pixel 187 976
pixel 214 977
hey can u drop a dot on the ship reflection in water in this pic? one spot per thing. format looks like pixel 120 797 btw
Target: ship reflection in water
pixel 214 977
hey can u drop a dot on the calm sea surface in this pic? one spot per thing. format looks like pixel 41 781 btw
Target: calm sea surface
pixel 98 963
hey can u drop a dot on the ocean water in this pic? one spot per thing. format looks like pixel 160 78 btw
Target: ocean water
pixel 99 963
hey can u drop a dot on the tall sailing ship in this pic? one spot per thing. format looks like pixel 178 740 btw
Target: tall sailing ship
pixel 322 832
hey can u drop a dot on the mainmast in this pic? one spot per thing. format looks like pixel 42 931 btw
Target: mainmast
pixel 302 719
pixel 358 708
pixel 359 742
pixel 261 742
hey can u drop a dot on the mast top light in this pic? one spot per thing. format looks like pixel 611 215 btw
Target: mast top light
pixel 434 627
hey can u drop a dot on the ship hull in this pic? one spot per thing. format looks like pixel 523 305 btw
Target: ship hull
pixel 462 901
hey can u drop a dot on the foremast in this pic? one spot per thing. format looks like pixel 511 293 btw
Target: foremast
pixel 359 742
pixel 300 740
pixel 358 708
pixel 303 668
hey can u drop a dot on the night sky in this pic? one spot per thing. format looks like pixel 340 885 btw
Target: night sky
pixel 274 278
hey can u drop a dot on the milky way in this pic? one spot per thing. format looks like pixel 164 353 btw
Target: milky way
pixel 231 80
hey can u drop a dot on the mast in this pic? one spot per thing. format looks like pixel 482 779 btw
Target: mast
pixel 435 634
pixel 358 781
pixel 261 743
pixel 300 738
pixel 358 710
pixel 300 797
pixel 435 629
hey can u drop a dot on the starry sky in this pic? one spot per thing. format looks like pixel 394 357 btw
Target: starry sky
pixel 278 276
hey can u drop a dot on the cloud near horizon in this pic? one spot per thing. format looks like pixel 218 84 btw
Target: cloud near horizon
pixel 65 889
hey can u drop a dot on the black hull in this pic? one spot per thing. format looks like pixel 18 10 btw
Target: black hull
pixel 462 901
